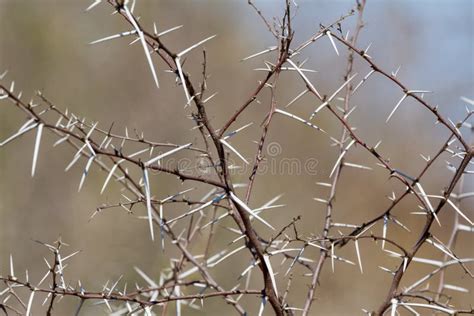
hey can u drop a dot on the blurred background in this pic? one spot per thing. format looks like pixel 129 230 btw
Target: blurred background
pixel 44 46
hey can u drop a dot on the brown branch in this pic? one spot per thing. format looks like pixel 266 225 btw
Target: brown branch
pixel 328 219
pixel 115 296
pixel 424 235
pixel 405 90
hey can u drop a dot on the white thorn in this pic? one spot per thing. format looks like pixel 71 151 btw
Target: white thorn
pixel 187 50
pixel 37 146
pixel 396 107
pixel 148 202
pixel 332 42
